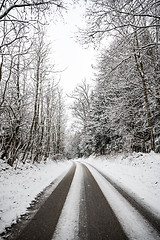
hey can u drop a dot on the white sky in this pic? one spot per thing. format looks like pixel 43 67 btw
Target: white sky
pixel 68 54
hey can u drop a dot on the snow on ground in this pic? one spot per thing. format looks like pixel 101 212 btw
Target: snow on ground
pixel 135 226
pixel 68 224
pixel 19 187
pixel 138 173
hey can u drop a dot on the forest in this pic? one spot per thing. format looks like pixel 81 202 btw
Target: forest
pixel 120 113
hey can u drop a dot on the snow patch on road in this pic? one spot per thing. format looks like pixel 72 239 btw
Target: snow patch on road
pixel 68 224
pixel 19 187
pixel 135 226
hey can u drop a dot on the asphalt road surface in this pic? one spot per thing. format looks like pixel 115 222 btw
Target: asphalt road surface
pixel 97 220
pixel 101 222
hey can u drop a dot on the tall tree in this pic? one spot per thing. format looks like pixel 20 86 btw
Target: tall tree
pixel 136 23
pixel 80 111
pixel 81 104
pixel 23 76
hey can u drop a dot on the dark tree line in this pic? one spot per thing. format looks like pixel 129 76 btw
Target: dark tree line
pixel 124 109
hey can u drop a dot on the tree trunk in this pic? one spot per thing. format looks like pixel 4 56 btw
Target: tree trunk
pixel 140 69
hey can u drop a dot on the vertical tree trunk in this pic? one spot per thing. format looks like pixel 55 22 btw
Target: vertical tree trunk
pixel 140 69
pixel 48 125
pixel 157 70
pixel 34 123
pixel 1 65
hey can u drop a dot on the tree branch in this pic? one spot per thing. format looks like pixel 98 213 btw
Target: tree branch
pixel 2 4
pixel 27 5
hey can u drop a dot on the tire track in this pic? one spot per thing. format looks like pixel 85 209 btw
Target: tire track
pixel 151 217
pixel 132 220
pixel 102 222
pixel 43 224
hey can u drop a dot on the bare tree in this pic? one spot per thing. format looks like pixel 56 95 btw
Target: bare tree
pixel 81 105
pixel 23 77
pixel 7 7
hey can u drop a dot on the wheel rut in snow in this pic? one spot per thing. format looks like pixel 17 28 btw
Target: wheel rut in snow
pixel 153 220
pixel 97 220
pixel 43 224
pixel 101 222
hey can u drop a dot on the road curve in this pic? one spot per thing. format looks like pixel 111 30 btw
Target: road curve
pixel 146 213
pixel 96 219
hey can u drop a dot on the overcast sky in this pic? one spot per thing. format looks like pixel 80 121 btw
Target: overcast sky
pixel 69 55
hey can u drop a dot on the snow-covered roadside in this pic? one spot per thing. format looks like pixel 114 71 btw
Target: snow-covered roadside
pixel 138 173
pixel 135 226
pixel 19 187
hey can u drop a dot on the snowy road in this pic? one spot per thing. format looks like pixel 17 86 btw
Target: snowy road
pixel 86 206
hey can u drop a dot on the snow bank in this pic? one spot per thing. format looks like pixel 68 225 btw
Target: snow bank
pixel 19 187
pixel 138 173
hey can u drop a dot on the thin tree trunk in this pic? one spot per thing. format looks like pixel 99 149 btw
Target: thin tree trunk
pixel 140 69
pixel 33 127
